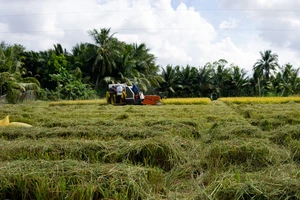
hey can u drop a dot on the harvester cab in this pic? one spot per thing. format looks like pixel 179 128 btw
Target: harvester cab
pixel 122 94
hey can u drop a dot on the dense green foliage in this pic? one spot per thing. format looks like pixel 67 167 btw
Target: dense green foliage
pixel 89 67
pixel 213 151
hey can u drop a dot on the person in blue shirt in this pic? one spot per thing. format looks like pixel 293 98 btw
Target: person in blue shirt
pixel 135 89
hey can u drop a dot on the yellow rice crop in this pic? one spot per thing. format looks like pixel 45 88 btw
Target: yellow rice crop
pixel 186 101
pixel 78 102
pixel 247 100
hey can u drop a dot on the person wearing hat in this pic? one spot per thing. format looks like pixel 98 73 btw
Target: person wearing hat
pixel 119 93
pixel 135 89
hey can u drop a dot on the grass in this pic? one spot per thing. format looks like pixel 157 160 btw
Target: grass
pixel 198 151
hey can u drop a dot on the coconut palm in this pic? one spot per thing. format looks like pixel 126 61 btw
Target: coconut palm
pixel 288 80
pixel 204 80
pixel 58 49
pixel 12 84
pixel 4 78
pixel 145 64
pixel 221 77
pixel 264 66
pixel 143 59
pixel 105 52
pixel 186 80
pixel 15 88
pixel 239 81
pixel 125 66
pixel 82 54
pixel 10 57
pixel 169 84
pixel 134 64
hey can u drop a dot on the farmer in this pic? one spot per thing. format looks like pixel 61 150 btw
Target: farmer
pixel 119 93
pixel 112 92
pixel 135 90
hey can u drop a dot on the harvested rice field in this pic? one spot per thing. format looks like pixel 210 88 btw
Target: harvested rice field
pixel 92 150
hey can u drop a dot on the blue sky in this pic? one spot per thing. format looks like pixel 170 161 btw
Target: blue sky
pixel 178 32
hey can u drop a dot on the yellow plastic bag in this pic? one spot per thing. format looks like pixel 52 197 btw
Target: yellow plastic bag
pixel 19 124
pixel 5 121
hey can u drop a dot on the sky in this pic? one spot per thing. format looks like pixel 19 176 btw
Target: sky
pixel 177 32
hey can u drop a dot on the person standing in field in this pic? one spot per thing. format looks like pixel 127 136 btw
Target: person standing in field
pixel 112 92
pixel 135 90
pixel 119 93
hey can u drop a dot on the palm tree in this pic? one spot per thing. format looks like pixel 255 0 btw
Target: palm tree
pixel 145 64
pixel 264 66
pixel 186 79
pixel 204 79
pixel 125 66
pixel 169 84
pixel 19 87
pixel 288 81
pixel 4 78
pixel 14 87
pixel 221 77
pixel 12 84
pixel 143 59
pixel 82 54
pixel 58 49
pixel 105 52
pixel 10 57
pixel 134 64
pixel 239 81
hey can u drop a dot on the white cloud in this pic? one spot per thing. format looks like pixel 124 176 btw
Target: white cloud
pixel 231 24
pixel 177 36
pixel 3 27
pixel 278 21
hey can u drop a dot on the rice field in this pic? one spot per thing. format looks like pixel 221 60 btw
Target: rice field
pixel 78 102
pixel 186 101
pixel 260 100
pixel 174 101
pixel 92 150
pixel 193 101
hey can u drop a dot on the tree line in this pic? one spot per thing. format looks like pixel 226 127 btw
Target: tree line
pixel 85 72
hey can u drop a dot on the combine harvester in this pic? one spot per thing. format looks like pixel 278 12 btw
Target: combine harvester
pixel 129 97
